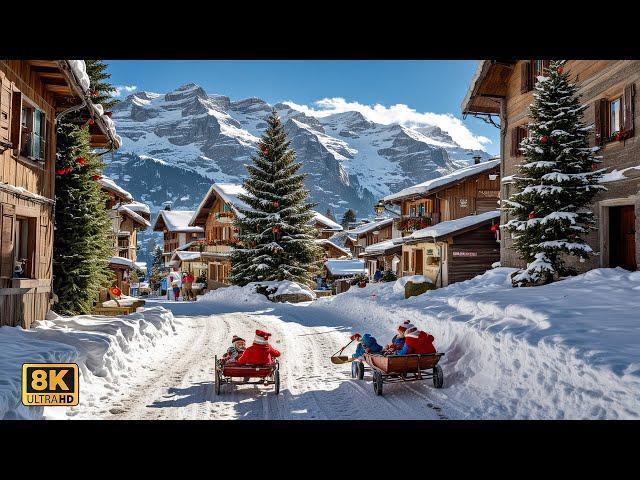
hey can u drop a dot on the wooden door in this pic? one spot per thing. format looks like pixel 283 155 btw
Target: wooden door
pixel 622 237
pixel 419 262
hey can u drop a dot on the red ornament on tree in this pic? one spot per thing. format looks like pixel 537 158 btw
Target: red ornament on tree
pixel 108 114
pixel 560 70
pixel 494 227
pixel 544 139
pixel 91 121
pixel 276 204
pixel 81 161
pixel 96 178
pixel 95 93
pixel 61 171
pixel 532 215
pixel 275 230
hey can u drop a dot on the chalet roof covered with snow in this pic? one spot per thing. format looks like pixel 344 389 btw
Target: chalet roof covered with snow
pixel 344 268
pixel 111 186
pixel 327 222
pixel 139 207
pixel 388 246
pixel 431 186
pixel 121 261
pixel 328 243
pixel 453 227
pixel 175 221
pixel 369 227
pixel 488 84
pixel 124 209
pixel 228 192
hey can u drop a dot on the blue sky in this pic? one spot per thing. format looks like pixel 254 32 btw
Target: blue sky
pixel 430 89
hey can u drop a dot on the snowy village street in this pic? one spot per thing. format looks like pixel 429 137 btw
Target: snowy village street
pixel 312 388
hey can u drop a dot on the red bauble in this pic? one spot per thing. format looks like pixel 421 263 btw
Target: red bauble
pixel 91 121
pixel 108 114
pixel 95 93
pixel 81 161
pixel 532 215
pixel 275 230
pixel 560 70
pixel 276 204
pixel 61 171
pixel 97 177
pixel 494 227
pixel 544 139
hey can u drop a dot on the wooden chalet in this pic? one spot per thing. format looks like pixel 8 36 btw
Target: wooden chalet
pixel 368 233
pixel 127 217
pixel 176 231
pixel 503 89
pixel 461 201
pixel 34 96
pixel 332 250
pixel 216 214
pixel 325 226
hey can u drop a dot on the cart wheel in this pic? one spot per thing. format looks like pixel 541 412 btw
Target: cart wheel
pixel 276 379
pixel 438 376
pixel 377 383
pixel 360 370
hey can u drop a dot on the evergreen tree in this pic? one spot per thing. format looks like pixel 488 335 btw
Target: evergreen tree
pixel 82 241
pixel 96 69
pixel 348 217
pixel 277 239
pixel 555 183
pixel 330 215
pixel 156 268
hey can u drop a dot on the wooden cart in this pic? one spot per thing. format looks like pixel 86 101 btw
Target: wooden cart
pixel 250 375
pixel 403 368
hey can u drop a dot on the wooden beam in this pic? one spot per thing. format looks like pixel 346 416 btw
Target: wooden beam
pixel 43 63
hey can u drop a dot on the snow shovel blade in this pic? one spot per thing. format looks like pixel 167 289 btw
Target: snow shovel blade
pixel 340 360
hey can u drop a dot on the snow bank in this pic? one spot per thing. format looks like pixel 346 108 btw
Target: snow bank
pixel 248 294
pixel 106 349
pixel 398 286
pixel 285 287
pixel 567 350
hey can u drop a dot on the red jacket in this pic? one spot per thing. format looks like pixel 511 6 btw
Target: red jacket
pixel 422 344
pixel 190 278
pixel 258 355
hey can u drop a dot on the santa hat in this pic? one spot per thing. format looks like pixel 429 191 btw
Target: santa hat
pixel 261 338
pixel 237 339
pixel 406 325
pixel 412 331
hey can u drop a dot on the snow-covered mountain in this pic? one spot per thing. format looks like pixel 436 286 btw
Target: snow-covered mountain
pixel 174 144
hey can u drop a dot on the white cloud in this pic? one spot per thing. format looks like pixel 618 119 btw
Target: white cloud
pixel 120 89
pixel 400 114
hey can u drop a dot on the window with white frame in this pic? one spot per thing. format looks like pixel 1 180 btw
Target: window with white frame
pixel 615 116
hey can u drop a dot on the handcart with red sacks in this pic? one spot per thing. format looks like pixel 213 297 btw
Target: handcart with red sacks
pixel 245 374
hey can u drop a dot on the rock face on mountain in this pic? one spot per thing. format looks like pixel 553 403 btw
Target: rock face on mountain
pixel 174 144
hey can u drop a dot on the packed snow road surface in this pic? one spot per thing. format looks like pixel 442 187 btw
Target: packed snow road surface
pixel 312 387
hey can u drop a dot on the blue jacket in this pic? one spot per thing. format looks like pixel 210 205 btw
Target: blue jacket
pixel 398 342
pixel 367 341
pixel 377 275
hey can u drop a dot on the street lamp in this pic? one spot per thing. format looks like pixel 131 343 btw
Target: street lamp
pixel 379 208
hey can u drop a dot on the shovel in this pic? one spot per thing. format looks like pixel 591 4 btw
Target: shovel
pixel 338 359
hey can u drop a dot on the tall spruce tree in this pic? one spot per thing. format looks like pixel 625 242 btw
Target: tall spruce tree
pixel 100 86
pixel 277 239
pixel 82 226
pixel 555 183
pixel 348 217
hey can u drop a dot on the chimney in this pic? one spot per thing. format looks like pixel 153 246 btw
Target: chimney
pixel 476 159
pixel 166 205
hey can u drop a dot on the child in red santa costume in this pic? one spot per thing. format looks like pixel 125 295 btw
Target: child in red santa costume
pixel 261 352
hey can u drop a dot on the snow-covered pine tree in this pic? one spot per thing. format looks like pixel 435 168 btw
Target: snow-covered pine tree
pixel 156 268
pixel 102 90
pixel 276 237
pixel 555 183
pixel 329 214
pixel 82 240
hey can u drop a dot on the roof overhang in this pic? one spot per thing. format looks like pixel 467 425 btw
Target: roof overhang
pixel 488 87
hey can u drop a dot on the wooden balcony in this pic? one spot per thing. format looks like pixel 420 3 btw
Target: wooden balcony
pixel 408 224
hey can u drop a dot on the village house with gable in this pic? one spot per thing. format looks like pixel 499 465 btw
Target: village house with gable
pixel 34 96
pixel 503 89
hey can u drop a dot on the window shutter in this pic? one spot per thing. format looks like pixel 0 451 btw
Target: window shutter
pixel 7 226
pixel 545 65
pixel 600 120
pixel 514 142
pixel 5 110
pixel 525 76
pixel 16 114
pixel 629 92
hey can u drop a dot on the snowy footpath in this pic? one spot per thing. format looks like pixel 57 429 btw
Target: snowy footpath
pixel 568 350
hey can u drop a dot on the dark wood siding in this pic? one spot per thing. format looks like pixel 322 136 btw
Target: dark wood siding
pixel 480 242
